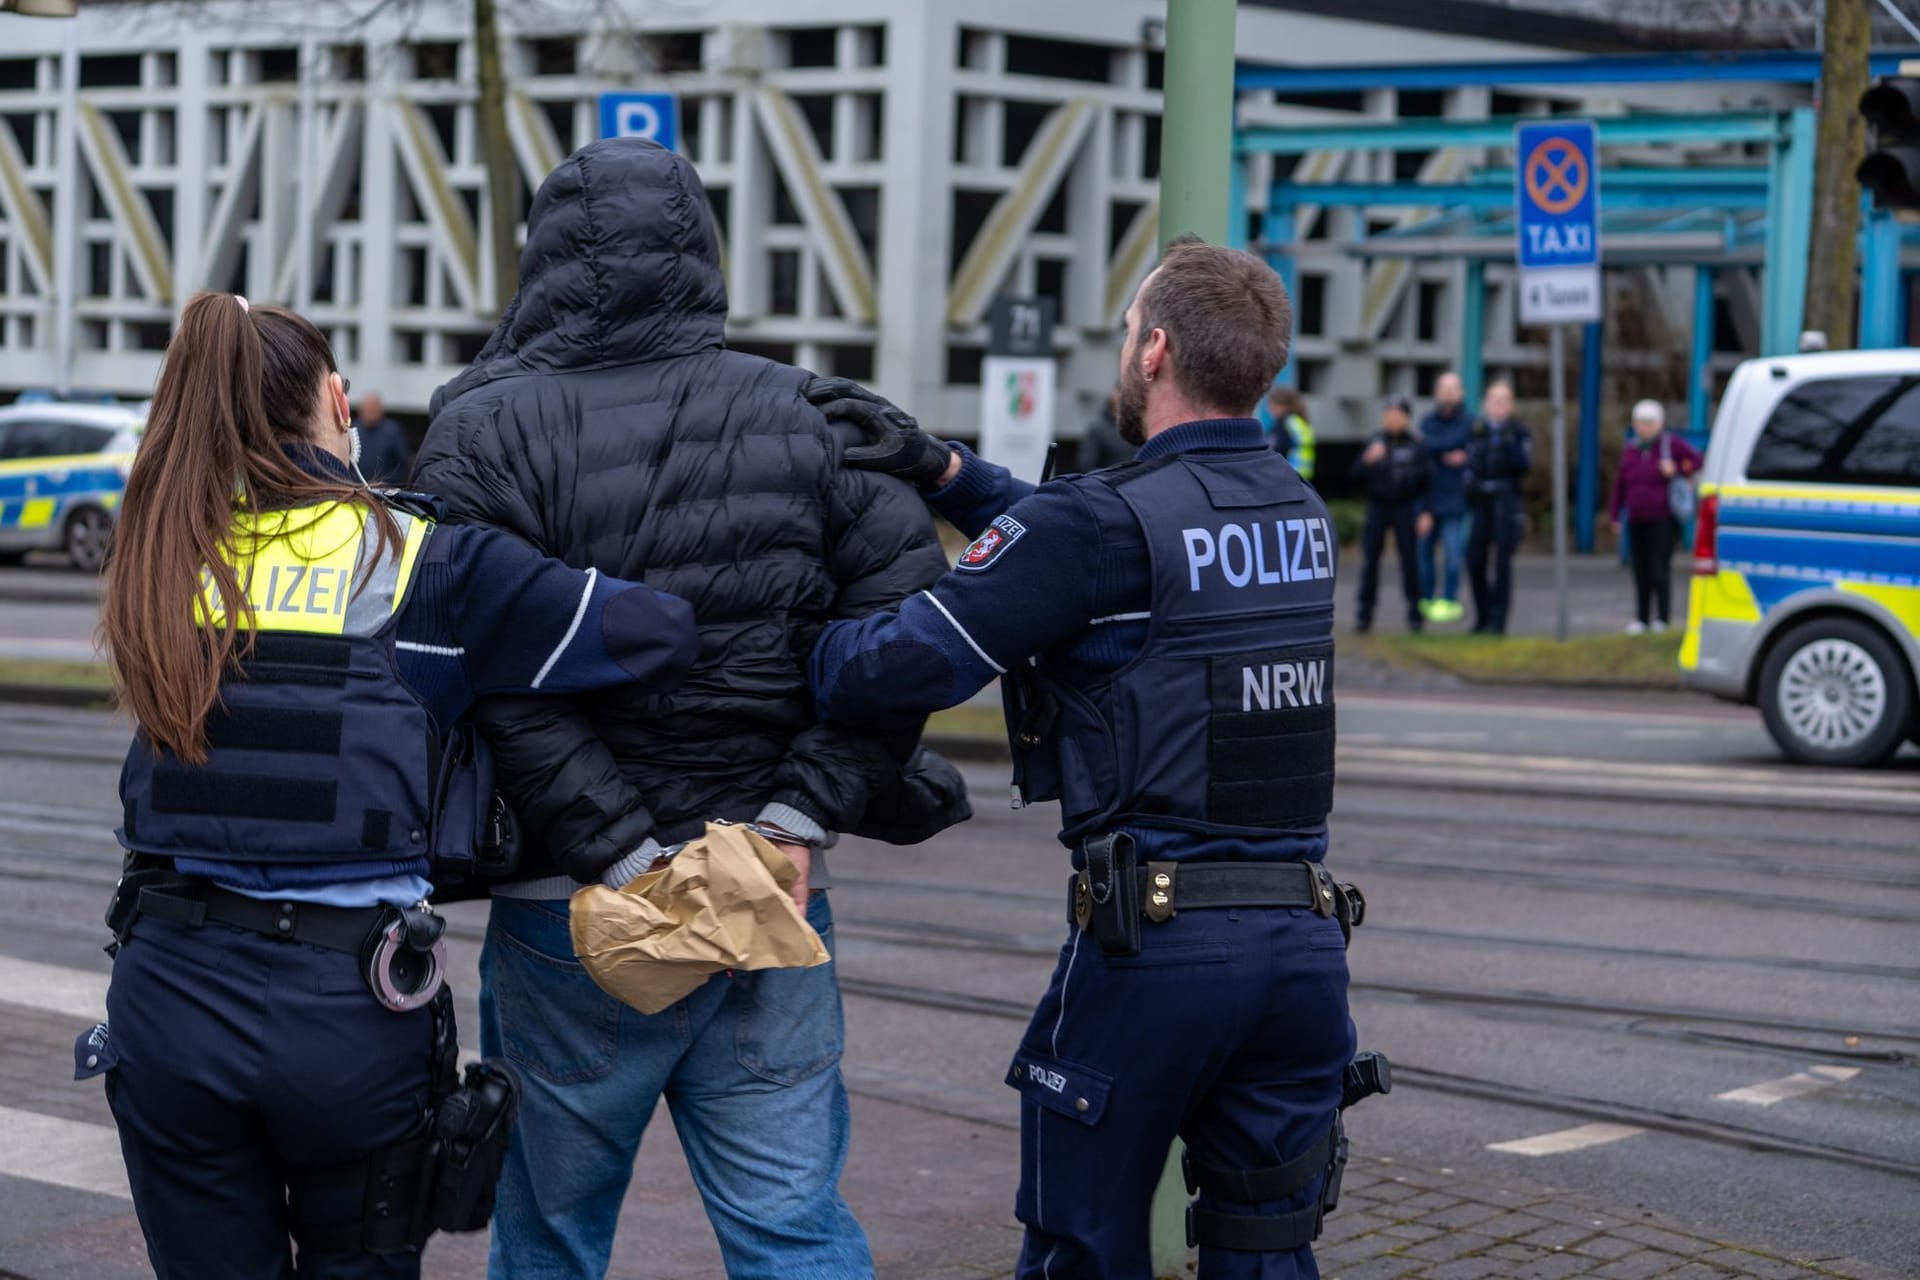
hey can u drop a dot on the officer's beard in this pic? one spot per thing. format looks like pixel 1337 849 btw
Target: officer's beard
pixel 1130 405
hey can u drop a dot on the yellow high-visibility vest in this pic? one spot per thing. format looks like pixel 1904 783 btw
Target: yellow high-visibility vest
pixel 317 569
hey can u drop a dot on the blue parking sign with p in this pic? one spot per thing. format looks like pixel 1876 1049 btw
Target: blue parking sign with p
pixel 641 115
pixel 1556 194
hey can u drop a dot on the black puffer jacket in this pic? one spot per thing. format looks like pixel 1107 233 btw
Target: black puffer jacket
pixel 604 422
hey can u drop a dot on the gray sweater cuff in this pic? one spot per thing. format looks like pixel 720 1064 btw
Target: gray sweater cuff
pixel 632 866
pixel 788 818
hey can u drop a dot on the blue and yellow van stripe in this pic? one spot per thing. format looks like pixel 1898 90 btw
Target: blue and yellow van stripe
pixel 1777 540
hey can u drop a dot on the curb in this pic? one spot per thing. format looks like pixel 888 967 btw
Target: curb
pixel 53 695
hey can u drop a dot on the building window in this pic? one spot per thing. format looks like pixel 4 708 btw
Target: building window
pixel 850 362
pixel 110 71
pixel 807 46
pixel 964 364
pixel 817 108
pixel 1427 321
pixel 1059 59
pixel 970 210
pixel 783 282
pixel 435 60
pixel 1311 303
pixel 663 51
pixel 559 56
pixel 278 66
pixel 1020 123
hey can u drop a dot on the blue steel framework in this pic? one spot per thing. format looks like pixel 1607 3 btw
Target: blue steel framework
pixel 1703 218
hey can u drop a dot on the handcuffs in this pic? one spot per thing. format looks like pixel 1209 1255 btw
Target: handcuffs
pixel 405 959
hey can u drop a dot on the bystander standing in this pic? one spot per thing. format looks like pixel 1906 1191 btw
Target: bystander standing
pixel 1284 415
pixel 1394 471
pixel 386 455
pixel 1446 431
pixel 1499 455
pixel 1643 500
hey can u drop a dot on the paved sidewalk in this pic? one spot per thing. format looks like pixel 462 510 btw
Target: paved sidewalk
pixel 1401 1223
pixel 1599 594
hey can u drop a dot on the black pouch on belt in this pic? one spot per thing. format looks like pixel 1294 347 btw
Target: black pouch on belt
pixel 470 1128
pixel 1107 899
pixel 138 871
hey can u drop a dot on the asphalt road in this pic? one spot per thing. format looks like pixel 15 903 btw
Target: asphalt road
pixel 1583 911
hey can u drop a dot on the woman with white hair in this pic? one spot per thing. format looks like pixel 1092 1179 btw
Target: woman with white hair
pixel 1644 499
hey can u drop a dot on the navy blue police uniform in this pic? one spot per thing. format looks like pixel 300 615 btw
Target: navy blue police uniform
pixel 261 1089
pixel 1499 455
pixel 1164 632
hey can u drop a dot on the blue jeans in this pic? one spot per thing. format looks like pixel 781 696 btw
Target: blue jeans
pixel 1450 535
pixel 749 1065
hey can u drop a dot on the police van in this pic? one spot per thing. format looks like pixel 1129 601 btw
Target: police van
pixel 1806 586
pixel 63 468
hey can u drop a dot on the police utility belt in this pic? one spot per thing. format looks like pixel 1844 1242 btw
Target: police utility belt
pixel 399 950
pixel 1115 893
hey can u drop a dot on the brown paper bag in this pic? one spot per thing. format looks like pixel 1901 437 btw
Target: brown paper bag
pixel 721 903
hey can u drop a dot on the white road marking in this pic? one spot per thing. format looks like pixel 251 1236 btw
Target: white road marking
pixel 1565 1140
pixel 65 1153
pixel 1768 1092
pixel 1664 735
pixel 52 988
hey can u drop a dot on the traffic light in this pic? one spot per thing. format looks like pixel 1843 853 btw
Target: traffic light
pixel 1891 171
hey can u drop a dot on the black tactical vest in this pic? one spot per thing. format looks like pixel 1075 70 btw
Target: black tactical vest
pixel 1223 723
pixel 318 752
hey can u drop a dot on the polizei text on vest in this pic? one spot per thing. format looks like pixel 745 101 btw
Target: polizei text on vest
pixel 1261 554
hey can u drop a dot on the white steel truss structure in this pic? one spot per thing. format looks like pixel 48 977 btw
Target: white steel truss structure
pixel 880 171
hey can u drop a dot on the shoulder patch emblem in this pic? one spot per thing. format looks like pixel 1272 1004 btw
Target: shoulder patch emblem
pixel 989 546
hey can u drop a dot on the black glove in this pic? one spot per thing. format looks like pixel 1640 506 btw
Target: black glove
pixel 896 446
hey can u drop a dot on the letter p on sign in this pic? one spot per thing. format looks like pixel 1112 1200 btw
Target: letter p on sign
pixel 641 115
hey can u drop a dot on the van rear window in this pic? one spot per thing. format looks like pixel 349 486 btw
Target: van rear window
pixel 1843 431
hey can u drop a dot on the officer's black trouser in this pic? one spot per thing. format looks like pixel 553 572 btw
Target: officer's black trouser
pixel 1229 1030
pixel 1652 542
pixel 1497 524
pixel 244 1064
pixel 1400 518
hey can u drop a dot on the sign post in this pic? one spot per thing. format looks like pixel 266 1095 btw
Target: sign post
pixel 1017 386
pixel 1556 193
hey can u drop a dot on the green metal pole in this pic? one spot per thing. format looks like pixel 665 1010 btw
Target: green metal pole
pixel 1197 189
pixel 1196 130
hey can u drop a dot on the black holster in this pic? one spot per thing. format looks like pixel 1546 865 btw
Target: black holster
pixel 1106 901
pixel 440 1177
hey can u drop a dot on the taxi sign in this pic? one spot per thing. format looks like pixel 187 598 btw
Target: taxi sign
pixel 1557 221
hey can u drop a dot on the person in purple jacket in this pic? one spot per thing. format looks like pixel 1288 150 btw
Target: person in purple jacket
pixel 1651 459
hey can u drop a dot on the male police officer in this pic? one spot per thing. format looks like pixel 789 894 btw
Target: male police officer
pixel 1164 629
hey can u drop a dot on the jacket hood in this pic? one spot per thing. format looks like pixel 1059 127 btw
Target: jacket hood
pixel 621 265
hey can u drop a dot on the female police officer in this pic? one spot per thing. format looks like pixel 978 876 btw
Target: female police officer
pixel 294 650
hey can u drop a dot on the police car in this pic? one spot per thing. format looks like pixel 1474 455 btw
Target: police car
pixel 1806 587
pixel 63 468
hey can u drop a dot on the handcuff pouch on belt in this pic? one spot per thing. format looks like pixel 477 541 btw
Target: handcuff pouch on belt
pixel 404 961
pixel 1106 897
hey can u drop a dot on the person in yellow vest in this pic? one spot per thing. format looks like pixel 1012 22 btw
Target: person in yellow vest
pixel 297 652
pixel 1284 414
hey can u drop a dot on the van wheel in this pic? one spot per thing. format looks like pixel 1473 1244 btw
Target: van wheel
pixel 89 533
pixel 1835 691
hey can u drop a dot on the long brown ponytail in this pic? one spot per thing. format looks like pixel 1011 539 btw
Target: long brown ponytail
pixel 237 385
